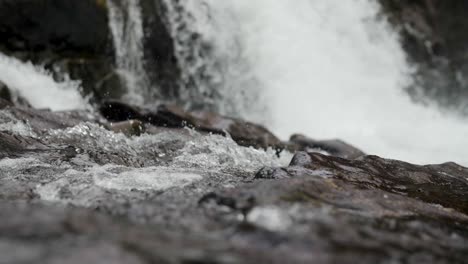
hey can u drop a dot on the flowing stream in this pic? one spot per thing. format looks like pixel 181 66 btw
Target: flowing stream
pixel 328 69
pixel 324 68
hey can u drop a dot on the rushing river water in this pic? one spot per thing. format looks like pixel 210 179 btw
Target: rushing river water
pixel 328 69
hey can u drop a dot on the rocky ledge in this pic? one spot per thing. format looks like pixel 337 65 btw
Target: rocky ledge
pixel 168 186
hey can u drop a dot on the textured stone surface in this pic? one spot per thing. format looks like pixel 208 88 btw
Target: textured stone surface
pixel 178 196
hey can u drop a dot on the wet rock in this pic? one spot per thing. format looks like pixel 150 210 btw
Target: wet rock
pixel 14 145
pixel 5 92
pixel 40 121
pixel 319 209
pixel 271 173
pixel 176 196
pixel 159 47
pixel 419 182
pixel 244 133
pixel 71 39
pixel 55 26
pixel 98 77
pixel 432 34
pixel 73 235
pixel 334 147
pixel 5 104
pixel 116 111
pixel 129 128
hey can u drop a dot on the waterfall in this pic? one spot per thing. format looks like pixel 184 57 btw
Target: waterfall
pixel 327 68
pixel 38 87
pixel 217 72
pixel 126 24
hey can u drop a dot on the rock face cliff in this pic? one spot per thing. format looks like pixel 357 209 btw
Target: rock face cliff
pixel 433 33
pixel 73 38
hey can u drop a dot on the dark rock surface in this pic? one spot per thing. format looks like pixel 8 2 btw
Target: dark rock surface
pixel 160 61
pixel 334 147
pixel 62 27
pixel 72 191
pixel 11 98
pixel 244 133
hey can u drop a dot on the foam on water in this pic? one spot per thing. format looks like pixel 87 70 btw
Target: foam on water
pixel 216 152
pixel 157 162
pixel 38 87
pixel 149 178
pixel 328 68
pixel 198 151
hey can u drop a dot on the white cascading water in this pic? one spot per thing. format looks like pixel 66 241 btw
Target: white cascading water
pixel 325 68
pixel 215 66
pixel 126 25
pixel 330 69
pixel 38 87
